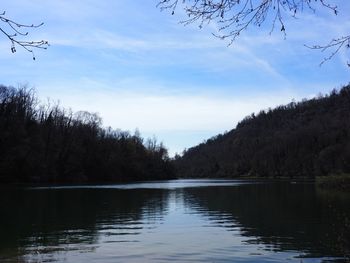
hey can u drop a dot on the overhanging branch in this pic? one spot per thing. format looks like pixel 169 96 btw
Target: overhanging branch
pixel 14 31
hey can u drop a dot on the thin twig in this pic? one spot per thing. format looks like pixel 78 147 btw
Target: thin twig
pixel 235 16
pixel 15 30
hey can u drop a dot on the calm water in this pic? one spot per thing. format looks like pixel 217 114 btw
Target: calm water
pixel 183 221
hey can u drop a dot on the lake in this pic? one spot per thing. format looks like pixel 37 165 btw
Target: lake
pixel 178 221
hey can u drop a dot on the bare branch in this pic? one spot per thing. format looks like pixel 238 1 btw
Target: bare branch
pixel 13 30
pixel 235 16
pixel 334 45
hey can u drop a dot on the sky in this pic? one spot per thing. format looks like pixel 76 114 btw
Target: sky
pixel 138 68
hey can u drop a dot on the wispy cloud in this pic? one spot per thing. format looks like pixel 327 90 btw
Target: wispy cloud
pixel 138 67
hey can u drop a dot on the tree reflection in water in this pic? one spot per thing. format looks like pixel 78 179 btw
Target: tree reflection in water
pixel 282 216
pixel 172 224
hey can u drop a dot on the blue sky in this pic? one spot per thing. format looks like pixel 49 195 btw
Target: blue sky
pixel 139 68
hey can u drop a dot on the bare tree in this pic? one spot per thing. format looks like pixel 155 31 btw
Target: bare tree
pixel 235 16
pixel 15 32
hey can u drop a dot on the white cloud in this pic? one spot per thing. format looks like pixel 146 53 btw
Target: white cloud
pixel 152 111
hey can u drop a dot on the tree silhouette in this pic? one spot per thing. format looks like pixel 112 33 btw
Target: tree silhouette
pixel 15 31
pixel 48 144
pixel 235 16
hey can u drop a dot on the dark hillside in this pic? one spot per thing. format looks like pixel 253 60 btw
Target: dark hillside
pixel 310 138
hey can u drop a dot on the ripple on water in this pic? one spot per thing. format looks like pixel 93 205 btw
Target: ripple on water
pixel 175 221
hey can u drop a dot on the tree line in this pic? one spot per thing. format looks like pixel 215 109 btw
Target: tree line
pixel 49 144
pixel 305 139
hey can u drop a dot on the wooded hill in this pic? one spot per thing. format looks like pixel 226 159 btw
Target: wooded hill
pixel 48 144
pixel 305 139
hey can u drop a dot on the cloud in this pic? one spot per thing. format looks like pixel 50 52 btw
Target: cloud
pixel 152 111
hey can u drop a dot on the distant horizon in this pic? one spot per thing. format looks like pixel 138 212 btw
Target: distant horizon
pixel 140 69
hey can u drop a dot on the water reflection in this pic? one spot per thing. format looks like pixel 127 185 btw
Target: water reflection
pixel 44 222
pixel 282 216
pixel 237 222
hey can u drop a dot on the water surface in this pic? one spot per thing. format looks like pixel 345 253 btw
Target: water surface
pixel 181 220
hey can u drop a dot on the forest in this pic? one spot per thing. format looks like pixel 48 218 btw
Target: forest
pixel 305 139
pixel 45 143
pixel 49 144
